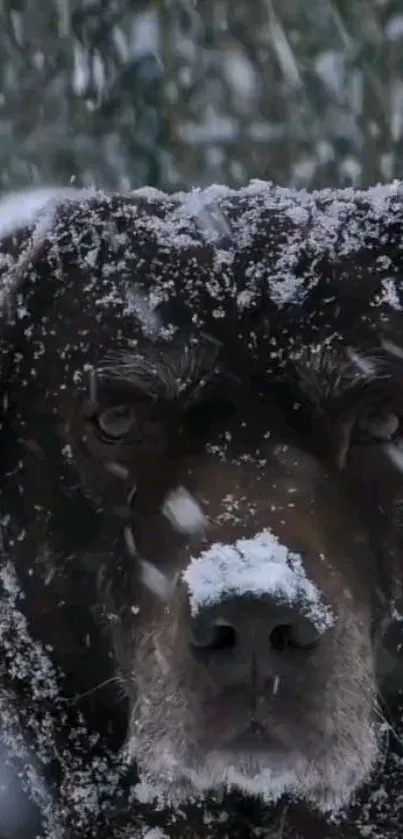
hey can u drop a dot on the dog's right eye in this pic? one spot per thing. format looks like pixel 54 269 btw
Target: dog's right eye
pixel 114 423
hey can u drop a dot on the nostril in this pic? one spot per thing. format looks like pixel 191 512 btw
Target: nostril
pixel 216 637
pixel 297 636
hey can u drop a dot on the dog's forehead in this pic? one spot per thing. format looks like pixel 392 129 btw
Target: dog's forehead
pixel 84 297
pixel 112 265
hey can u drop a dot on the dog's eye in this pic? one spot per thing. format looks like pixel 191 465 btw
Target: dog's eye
pixel 114 423
pixel 377 425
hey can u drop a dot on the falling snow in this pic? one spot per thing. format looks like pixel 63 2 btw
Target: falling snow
pixel 307 95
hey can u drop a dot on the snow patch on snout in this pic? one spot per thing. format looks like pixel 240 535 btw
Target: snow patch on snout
pixel 257 566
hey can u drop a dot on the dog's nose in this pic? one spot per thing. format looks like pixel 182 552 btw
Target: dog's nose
pixel 231 634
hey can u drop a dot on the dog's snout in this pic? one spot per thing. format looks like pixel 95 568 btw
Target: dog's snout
pixel 227 636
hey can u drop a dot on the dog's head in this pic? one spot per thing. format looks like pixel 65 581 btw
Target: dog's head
pixel 255 594
pixel 223 521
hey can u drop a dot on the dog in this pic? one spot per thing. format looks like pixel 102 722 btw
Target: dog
pixel 201 504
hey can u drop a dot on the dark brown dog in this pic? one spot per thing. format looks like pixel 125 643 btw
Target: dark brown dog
pixel 201 492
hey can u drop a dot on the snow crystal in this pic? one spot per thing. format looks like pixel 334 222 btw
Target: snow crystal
pixel 154 833
pixel 241 73
pixel 183 512
pixel 284 52
pixel 27 657
pixel 396 115
pixel 14 807
pixel 325 222
pixel 81 70
pixel 395 454
pixel 212 128
pixel 394 28
pixel 257 566
pixel 329 67
pixel 18 209
pixel 389 293
pixel 139 306
pixel 207 214
pixel 392 348
pixel 154 579
pixel 151 193
pixel 145 35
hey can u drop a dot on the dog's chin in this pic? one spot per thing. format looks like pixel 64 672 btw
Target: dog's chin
pixel 326 785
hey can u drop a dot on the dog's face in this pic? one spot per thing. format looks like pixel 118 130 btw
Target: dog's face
pixel 248 596
pixel 244 590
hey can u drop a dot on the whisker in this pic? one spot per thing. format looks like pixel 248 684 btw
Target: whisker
pixel 282 822
pixel 94 689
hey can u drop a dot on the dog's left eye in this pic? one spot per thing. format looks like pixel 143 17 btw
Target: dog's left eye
pixel 377 425
pixel 114 423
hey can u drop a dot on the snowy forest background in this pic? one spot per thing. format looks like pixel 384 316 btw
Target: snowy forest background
pixel 174 93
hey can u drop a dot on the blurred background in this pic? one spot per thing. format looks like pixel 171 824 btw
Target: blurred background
pixel 174 93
